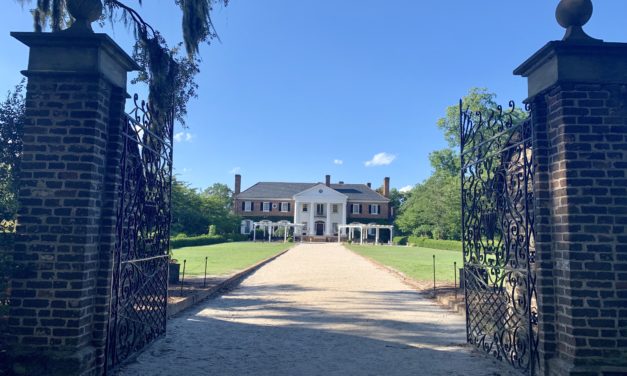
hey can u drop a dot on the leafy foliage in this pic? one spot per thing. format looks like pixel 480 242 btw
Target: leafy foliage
pixel 193 212
pixel 11 126
pixel 433 209
pixel 478 100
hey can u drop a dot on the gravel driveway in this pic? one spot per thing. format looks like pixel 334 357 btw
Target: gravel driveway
pixel 317 310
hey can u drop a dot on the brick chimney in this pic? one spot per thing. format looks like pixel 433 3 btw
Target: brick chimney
pixel 386 187
pixel 238 184
pixel 327 180
pixel 369 185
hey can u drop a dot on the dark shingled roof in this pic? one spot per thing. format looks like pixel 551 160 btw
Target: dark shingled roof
pixel 274 191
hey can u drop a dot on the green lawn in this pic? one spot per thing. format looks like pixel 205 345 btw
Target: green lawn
pixel 414 262
pixel 226 258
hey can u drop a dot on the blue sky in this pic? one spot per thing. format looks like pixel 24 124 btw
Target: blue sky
pixel 353 88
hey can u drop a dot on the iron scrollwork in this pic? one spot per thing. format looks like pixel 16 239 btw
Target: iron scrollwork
pixel 140 268
pixel 498 234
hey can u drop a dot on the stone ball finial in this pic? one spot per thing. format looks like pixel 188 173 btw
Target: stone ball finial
pixel 573 13
pixel 84 13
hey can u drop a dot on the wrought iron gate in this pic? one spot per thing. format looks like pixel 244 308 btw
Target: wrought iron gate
pixel 140 269
pixel 498 235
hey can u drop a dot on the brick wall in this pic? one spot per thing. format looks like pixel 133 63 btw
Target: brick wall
pixel 258 212
pixel 70 177
pixel 581 188
pixel 384 211
pixel 53 298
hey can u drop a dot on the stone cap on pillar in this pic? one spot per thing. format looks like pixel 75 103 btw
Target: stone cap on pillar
pixel 78 54
pixel 564 62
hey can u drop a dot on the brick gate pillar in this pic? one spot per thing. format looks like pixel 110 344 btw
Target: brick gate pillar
pixel 578 90
pixel 66 222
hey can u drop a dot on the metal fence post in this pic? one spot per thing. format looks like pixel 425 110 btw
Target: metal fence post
pixel 204 281
pixel 183 278
pixel 455 278
pixel 433 275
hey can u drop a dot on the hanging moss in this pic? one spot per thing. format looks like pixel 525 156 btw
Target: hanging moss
pixel 168 73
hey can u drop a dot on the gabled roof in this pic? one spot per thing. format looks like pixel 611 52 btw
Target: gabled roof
pixel 285 191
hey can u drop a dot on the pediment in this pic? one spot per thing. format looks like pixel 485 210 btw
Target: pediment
pixel 320 193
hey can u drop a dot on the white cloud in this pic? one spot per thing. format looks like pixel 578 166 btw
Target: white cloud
pixel 406 188
pixel 338 162
pixel 381 159
pixel 183 137
pixel 235 170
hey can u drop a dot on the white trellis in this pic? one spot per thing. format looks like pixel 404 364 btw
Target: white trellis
pixel 269 229
pixel 363 228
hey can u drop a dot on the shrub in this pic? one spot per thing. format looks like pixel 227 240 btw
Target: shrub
pixel 400 240
pixel 180 242
pixel 237 237
pixel 6 247
pixel 448 245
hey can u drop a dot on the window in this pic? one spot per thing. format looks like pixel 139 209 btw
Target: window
pixel 305 208
pixel 285 207
pixel 356 209
pixel 266 206
pixel 320 209
pixel 334 208
pixel 374 209
pixel 248 206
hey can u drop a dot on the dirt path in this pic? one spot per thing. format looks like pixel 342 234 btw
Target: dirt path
pixel 317 310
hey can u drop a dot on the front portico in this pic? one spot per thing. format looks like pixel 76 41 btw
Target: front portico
pixel 321 210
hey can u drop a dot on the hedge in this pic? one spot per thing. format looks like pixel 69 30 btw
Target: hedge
pixel 400 240
pixel 195 241
pixel 448 245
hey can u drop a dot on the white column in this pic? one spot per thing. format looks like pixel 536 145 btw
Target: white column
pixel 285 234
pixel 376 237
pixel 312 227
pixel 329 227
pixel 254 231
pixel 361 234
pixel 344 215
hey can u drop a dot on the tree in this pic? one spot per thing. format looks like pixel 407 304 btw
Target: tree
pixel 222 192
pixel 187 210
pixel 433 208
pixel 477 100
pixel 11 125
pixel 193 212
pixel 445 161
